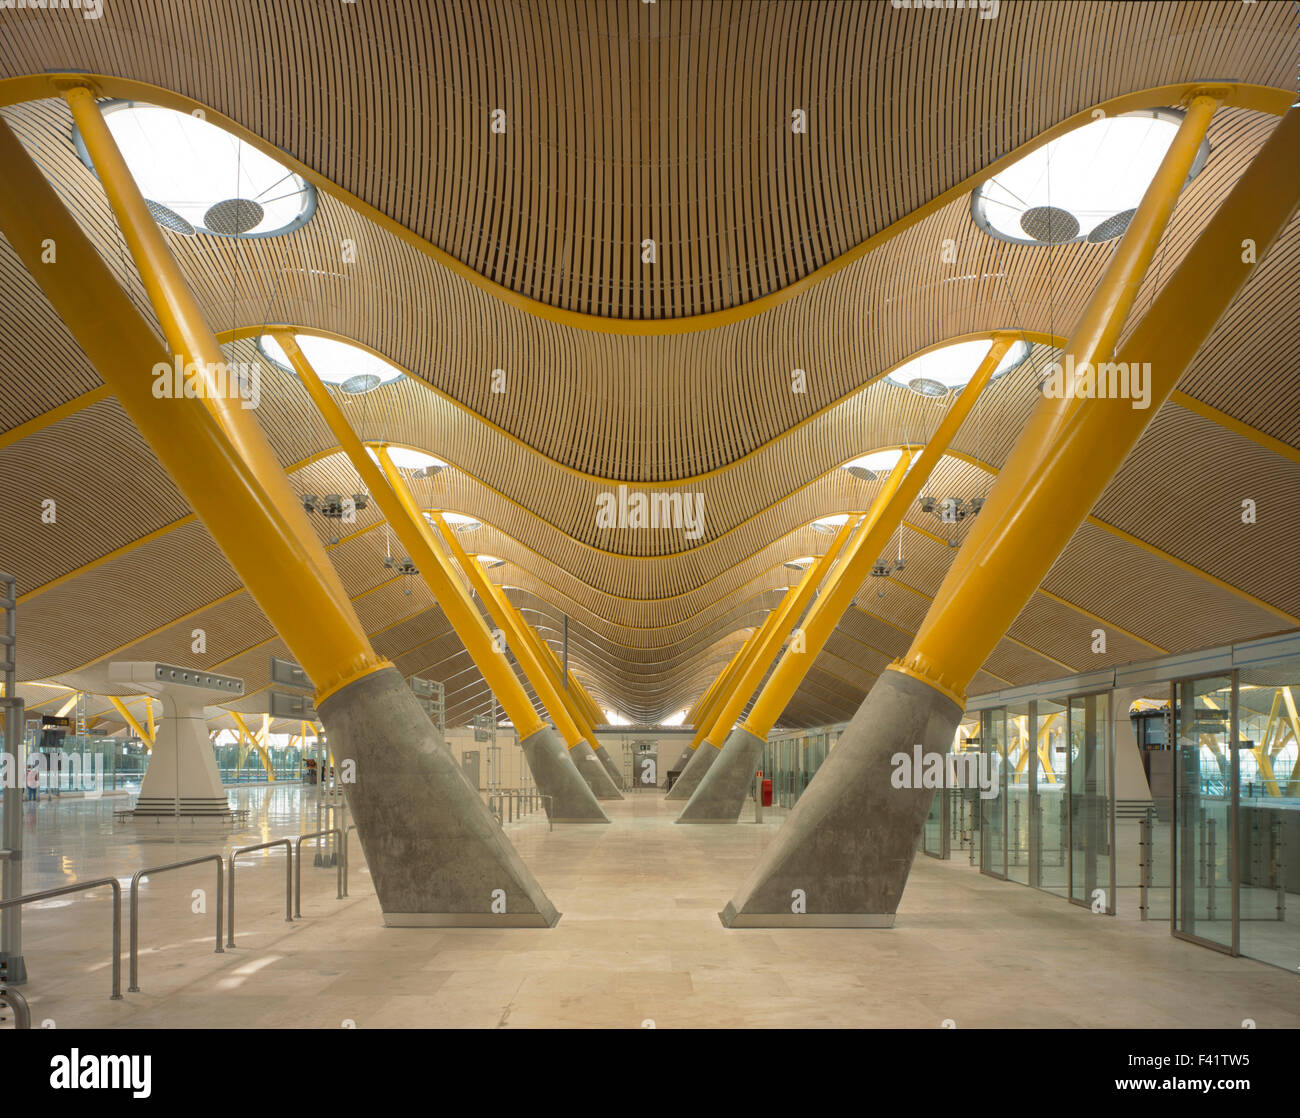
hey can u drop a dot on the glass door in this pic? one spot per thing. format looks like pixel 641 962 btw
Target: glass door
pixel 1203 777
pixel 1090 817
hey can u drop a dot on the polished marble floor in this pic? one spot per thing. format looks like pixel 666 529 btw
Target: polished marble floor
pixel 639 943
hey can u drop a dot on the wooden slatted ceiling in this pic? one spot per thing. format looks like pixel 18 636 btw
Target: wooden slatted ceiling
pixel 672 120
pixel 613 406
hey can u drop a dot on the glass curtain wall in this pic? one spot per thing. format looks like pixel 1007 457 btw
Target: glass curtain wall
pixel 990 791
pixel 1016 791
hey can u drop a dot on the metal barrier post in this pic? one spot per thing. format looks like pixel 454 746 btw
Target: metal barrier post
pixel 1144 864
pixel 297 881
pixel 117 918
pixel 230 878
pixel 133 984
pixel 1210 872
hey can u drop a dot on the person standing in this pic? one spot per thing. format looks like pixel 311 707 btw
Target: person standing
pixel 33 782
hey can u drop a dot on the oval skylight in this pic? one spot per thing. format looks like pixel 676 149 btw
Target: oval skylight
pixel 830 523
pixel 1084 185
pixel 352 368
pixel 460 521
pixel 871 467
pixel 414 460
pixel 952 366
pixel 490 561
pixel 198 177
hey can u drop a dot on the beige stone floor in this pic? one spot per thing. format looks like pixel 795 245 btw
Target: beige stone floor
pixel 639 942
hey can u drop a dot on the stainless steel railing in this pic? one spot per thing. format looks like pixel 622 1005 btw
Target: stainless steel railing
pixel 338 865
pixel 45 894
pixel 133 985
pixel 15 1001
pixel 230 879
pixel 506 799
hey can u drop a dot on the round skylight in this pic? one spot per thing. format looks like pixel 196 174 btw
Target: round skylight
pixel 490 561
pixel 941 370
pixel 197 177
pixel 801 563
pixel 352 368
pixel 1084 185
pixel 414 460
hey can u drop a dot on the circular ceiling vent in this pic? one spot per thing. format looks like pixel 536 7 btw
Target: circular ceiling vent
pixel 1112 227
pixel 1049 225
pixel 924 386
pixel 861 473
pixel 234 216
pixel 359 384
pixel 169 219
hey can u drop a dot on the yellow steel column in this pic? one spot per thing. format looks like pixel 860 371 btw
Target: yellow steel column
pixel 130 720
pixel 866 549
pixel 787 615
pixel 183 323
pixel 410 528
pixel 148 710
pixel 268 545
pixel 1071 446
pixel 524 653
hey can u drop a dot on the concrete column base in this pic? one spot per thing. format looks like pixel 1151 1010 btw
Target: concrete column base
pixel 593 772
pixel 433 848
pixel 556 775
pixel 683 760
pixel 696 767
pixel 607 762
pixel 720 794
pixel 844 854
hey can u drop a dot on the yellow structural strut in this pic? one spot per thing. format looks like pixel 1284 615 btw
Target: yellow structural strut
pixel 784 618
pixel 267 540
pixel 130 720
pixel 888 510
pixel 1072 445
pixel 726 681
pixel 524 651
pixel 387 486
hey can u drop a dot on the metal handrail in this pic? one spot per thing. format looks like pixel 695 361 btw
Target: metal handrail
pixel 132 986
pixel 117 918
pixel 297 883
pixel 15 1001
pixel 230 878
pixel 520 796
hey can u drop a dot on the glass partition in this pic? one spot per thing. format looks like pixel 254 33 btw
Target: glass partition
pixel 1049 804
pixel 1203 777
pixel 1090 816
pixel 1016 790
pixel 1268 813
pixel 989 789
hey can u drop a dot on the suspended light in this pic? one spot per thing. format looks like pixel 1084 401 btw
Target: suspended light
pixel 1085 185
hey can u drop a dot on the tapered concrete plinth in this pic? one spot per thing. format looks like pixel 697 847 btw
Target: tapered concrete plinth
pixel 593 772
pixel 436 855
pixel 845 852
pixel 683 760
pixel 556 775
pixel 607 762
pixel 696 767
pixel 720 795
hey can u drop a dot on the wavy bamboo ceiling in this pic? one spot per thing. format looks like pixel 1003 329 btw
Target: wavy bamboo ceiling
pixel 522 251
